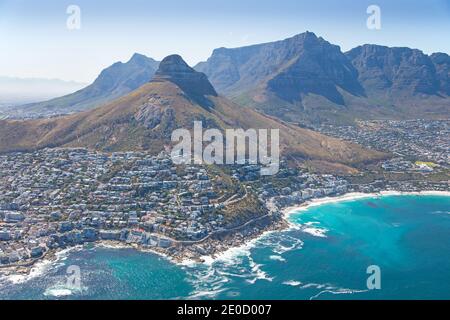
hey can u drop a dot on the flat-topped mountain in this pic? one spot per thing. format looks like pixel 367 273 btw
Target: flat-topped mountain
pixel 297 66
pixel 305 78
pixel 441 63
pixel 395 71
pixel 146 118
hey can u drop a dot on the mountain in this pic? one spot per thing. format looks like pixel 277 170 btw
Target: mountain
pixel 175 70
pixel 395 71
pixel 113 82
pixel 307 79
pixel 175 98
pixel 441 63
pixel 16 91
pixel 301 65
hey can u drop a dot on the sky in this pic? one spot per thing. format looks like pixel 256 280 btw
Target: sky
pixel 36 42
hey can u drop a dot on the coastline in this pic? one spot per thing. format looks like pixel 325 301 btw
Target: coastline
pixel 286 212
pixel 223 248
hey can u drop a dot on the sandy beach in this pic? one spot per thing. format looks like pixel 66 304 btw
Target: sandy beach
pixel 355 196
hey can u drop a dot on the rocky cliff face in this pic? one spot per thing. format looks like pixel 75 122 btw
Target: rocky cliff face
pixel 317 68
pixel 194 84
pixel 299 65
pixel 307 79
pixel 442 64
pixel 398 71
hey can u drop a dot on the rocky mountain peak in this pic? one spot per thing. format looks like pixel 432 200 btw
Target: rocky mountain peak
pixel 194 84
pixel 173 64
pixel 140 59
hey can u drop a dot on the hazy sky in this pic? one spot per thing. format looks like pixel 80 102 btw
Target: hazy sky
pixel 35 41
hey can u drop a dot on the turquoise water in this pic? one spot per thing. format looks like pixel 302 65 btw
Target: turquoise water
pixel 324 255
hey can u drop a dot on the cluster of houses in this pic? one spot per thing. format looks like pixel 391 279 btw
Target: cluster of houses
pixel 301 187
pixel 57 198
pixel 408 140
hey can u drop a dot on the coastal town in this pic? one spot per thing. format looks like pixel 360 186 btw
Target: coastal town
pixel 414 144
pixel 59 198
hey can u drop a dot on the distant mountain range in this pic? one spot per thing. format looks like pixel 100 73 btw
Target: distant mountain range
pixel 113 82
pixel 16 91
pixel 303 79
pixel 175 98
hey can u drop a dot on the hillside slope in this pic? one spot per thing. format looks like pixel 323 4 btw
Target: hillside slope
pixel 112 83
pixel 146 118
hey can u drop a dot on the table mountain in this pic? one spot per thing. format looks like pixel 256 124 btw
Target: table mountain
pixel 394 71
pixel 441 62
pixel 301 65
pixel 307 79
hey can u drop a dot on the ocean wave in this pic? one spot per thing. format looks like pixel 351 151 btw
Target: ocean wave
pixel 277 258
pixel 41 268
pixel 258 273
pixel 440 212
pixel 206 294
pixel 325 288
pixel 310 228
pixel 281 243
pixel 38 270
pixel 59 291
pixel 210 278
pixel 292 283
pixel 338 291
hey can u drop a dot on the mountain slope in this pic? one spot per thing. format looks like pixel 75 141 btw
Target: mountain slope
pixel 307 79
pixel 146 118
pixel 301 65
pixel 394 71
pixel 113 82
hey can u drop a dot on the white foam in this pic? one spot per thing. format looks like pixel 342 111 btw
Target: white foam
pixel 441 212
pixel 292 283
pixel 277 258
pixel 39 269
pixel 42 267
pixel 258 273
pixel 336 292
pixel 316 232
pixel 210 294
pixel 57 292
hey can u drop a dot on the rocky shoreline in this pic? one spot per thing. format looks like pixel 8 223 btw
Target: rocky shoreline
pixel 179 253
pixel 213 246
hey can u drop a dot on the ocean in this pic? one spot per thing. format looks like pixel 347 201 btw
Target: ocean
pixel 324 255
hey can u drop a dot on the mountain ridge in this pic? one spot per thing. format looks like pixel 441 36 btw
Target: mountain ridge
pixel 113 82
pixel 302 79
pixel 144 120
pixel 307 79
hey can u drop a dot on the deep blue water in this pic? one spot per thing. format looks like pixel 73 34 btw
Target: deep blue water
pixel 325 255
